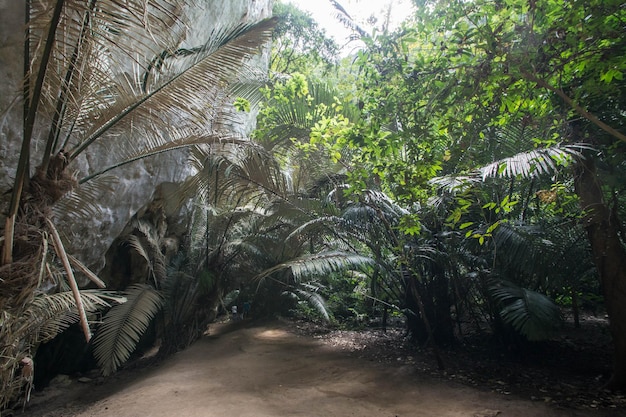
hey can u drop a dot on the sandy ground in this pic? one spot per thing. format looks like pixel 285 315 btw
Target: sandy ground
pixel 268 370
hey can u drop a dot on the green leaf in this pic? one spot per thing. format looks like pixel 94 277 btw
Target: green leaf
pixel 611 74
pixel 532 314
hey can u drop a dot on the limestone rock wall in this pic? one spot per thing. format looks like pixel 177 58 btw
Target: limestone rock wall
pixel 135 184
pixel 11 70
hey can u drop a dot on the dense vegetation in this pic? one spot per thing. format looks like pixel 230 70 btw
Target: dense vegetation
pixel 495 131
pixel 463 171
pixel 484 163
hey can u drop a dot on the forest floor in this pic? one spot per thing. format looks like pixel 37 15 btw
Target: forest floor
pixel 291 368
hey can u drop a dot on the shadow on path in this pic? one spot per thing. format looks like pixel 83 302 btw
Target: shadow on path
pixel 262 369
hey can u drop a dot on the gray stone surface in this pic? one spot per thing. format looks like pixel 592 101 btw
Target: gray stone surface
pixel 11 69
pixel 89 238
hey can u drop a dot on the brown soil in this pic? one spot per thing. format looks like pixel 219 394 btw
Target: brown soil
pixel 284 368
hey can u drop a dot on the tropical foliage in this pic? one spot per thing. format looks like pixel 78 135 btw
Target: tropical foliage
pixel 114 79
pixel 462 171
pixel 506 109
pixel 299 43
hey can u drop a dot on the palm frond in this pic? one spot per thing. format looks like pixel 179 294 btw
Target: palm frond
pixel 186 96
pixel 529 164
pixel 521 248
pixel 122 327
pixel 40 320
pixel 454 183
pixel 318 264
pixel 234 176
pixel 315 227
pixel 49 315
pixel 532 163
pixel 83 202
pixel 145 241
pixel 249 88
pixel 136 243
pixel 532 314
pixel 164 145
pixel 180 292
pixel 75 79
pixel 314 299
pixel 295 118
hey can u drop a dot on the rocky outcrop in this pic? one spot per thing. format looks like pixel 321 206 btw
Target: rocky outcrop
pixel 11 73
pixel 133 186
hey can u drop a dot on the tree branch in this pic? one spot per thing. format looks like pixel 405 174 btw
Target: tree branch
pixel 579 109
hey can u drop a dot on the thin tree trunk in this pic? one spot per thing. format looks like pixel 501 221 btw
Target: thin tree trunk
pixel 60 250
pixel 602 226
pixel 414 297
pixel 575 308
pixel 22 172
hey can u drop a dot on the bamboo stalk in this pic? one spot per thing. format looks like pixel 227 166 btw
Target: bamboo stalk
pixel 60 250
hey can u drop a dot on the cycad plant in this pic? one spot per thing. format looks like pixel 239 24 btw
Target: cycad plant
pixel 509 212
pixel 39 321
pixel 115 80
pixel 124 325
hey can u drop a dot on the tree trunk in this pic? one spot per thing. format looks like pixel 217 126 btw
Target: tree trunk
pixel 602 226
pixel 420 326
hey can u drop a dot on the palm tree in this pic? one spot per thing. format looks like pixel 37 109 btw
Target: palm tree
pixel 244 208
pixel 114 78
pixel 287 120
pixel 522 250
pixel 39 321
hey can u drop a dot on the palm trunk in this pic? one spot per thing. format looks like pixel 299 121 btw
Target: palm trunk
pixel 602 226
pixel 421 327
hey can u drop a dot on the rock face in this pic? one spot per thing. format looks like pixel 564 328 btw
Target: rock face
pixel 11 70
pixel 135 184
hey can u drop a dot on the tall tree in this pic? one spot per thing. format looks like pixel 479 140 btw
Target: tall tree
pixel 300 44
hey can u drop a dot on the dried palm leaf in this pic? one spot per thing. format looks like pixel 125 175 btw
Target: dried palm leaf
pixel 117 336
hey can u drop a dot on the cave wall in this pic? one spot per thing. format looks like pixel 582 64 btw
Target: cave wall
pixel 135 184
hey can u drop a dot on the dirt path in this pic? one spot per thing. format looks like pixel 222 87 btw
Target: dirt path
pixel 267 370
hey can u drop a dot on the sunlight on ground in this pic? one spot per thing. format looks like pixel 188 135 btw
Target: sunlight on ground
pixel 272 334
